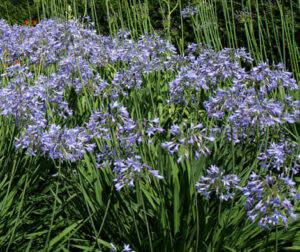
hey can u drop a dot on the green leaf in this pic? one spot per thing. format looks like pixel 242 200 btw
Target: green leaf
pixel 84 248
pixel 294 248
pixel 64 233
pixel 36 234
pixel 105 243
pixel 176 201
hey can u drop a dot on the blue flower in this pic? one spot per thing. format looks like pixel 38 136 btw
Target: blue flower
pixel 217 182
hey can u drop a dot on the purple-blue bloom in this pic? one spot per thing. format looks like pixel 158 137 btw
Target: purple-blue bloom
pixel 217 182
pixel 268 199
pixel 184 137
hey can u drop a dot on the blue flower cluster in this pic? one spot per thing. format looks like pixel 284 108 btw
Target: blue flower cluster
pixel 186 138
pixel 216 181
pixel 41 63
pixel 268 199
pixel 281 157
pixel 205 71
pixel 120 136
pixel 247 107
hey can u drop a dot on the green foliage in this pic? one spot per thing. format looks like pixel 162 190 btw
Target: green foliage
pixel 16 12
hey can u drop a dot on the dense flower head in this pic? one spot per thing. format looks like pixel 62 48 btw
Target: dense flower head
pixel 186 137
pixel 270 78
pixel 282 157
pixel 22 101
pixel 57 143
pixel 204 69
pixel 268 199
pixel 247 106
pixel 129 170
pixel 216 181
pixel 115 120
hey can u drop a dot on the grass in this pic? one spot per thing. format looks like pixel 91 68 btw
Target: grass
pixel 55 204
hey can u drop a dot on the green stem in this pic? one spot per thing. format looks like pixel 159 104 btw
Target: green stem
pixel 54 208
pixel 20 206
pixel 140 195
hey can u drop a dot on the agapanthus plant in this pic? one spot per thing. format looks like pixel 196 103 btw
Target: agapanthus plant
pixel 247 107
pixel 269 199
pixel 281 157
pixel 120 136
pixel 185 138
pixel 217 182
pixel 204 69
